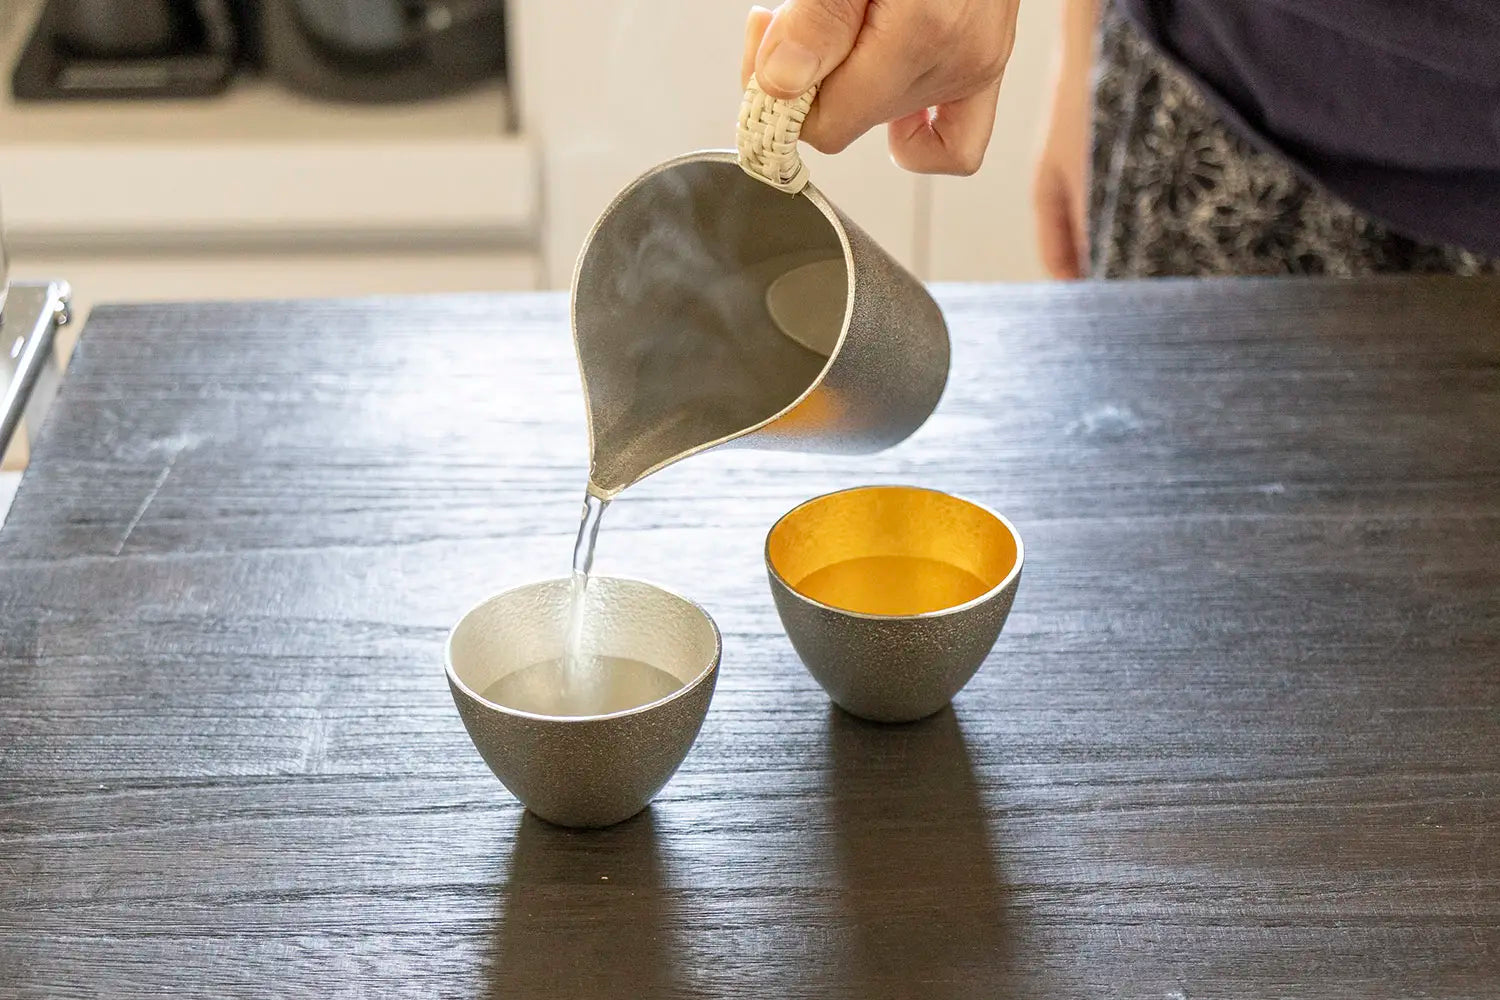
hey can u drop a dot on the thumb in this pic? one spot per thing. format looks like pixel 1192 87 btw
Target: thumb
pixel 806 41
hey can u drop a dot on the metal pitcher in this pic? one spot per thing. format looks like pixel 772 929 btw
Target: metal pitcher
pixel 712 303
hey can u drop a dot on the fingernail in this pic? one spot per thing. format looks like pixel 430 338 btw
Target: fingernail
pixel 790 68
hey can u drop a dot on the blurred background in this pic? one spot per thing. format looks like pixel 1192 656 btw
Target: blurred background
pixel 218 149
pixel 173 149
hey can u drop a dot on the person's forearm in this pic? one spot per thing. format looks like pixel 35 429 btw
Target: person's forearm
pixel 1061 189
pixel 1080 21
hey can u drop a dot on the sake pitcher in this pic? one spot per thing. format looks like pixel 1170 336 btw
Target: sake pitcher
pixel 722 298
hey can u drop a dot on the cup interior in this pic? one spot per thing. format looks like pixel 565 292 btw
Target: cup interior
pixel 628 619
pixel 893 551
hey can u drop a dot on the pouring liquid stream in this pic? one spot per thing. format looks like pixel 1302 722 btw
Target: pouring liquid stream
pixel 575 662
pixel 582 682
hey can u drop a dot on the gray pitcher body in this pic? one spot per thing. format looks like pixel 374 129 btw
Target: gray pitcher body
pixel 711 308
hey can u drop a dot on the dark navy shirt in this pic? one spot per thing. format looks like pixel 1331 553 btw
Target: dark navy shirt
pixel 1393 105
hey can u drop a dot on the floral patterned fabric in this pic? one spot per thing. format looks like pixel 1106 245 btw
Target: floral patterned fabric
pixel 1174 192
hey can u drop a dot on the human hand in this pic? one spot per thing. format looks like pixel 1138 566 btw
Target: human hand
pixel 929 70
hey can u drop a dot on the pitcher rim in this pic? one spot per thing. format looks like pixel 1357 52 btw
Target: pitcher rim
pixel 726 156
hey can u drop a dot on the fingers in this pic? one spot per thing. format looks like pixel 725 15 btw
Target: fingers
pixel 948 139
pixel 755 32
pixel 879 62
pixel 805 41
pixel 874 85
pixel 1058 233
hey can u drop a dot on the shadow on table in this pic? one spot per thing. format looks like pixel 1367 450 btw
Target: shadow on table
pixel 921 901
pixel 584 914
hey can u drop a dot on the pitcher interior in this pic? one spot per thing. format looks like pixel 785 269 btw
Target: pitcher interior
pixel 678 344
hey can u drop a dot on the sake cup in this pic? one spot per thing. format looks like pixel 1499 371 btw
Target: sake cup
pixel 893 595
pixel 584 770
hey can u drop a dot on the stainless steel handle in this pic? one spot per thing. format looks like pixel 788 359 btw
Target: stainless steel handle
pixel 33 312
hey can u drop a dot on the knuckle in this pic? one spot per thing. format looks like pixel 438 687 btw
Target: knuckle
pixel 982 64
pixel 966 162
pixel 927 38
pixel 944 19
pixel 835 15
pixel 992 67
pixel 901 156
pixel 927 23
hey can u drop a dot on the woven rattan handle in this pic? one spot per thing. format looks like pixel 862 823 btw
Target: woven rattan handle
pixel 768 137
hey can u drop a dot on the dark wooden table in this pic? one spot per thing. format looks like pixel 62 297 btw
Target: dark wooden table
pixel 1241 737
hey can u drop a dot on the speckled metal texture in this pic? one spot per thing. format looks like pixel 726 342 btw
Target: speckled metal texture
pixel 585 771
pixel 890 668
pixel 677 349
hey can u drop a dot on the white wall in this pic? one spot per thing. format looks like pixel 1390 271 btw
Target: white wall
pixel 608 89
pixel 982 225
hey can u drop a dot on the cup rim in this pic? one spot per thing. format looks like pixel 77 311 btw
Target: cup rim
pixel 687 686
pixel 1015 570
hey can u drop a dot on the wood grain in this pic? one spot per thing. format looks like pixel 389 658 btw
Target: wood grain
pixel 1241 737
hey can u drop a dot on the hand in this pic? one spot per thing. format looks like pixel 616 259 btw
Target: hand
pixel 928 69
pixel 1060 189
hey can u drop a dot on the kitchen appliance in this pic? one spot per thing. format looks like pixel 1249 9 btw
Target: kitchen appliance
pixel 343 50
pixel 127 48
pixel 381 50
